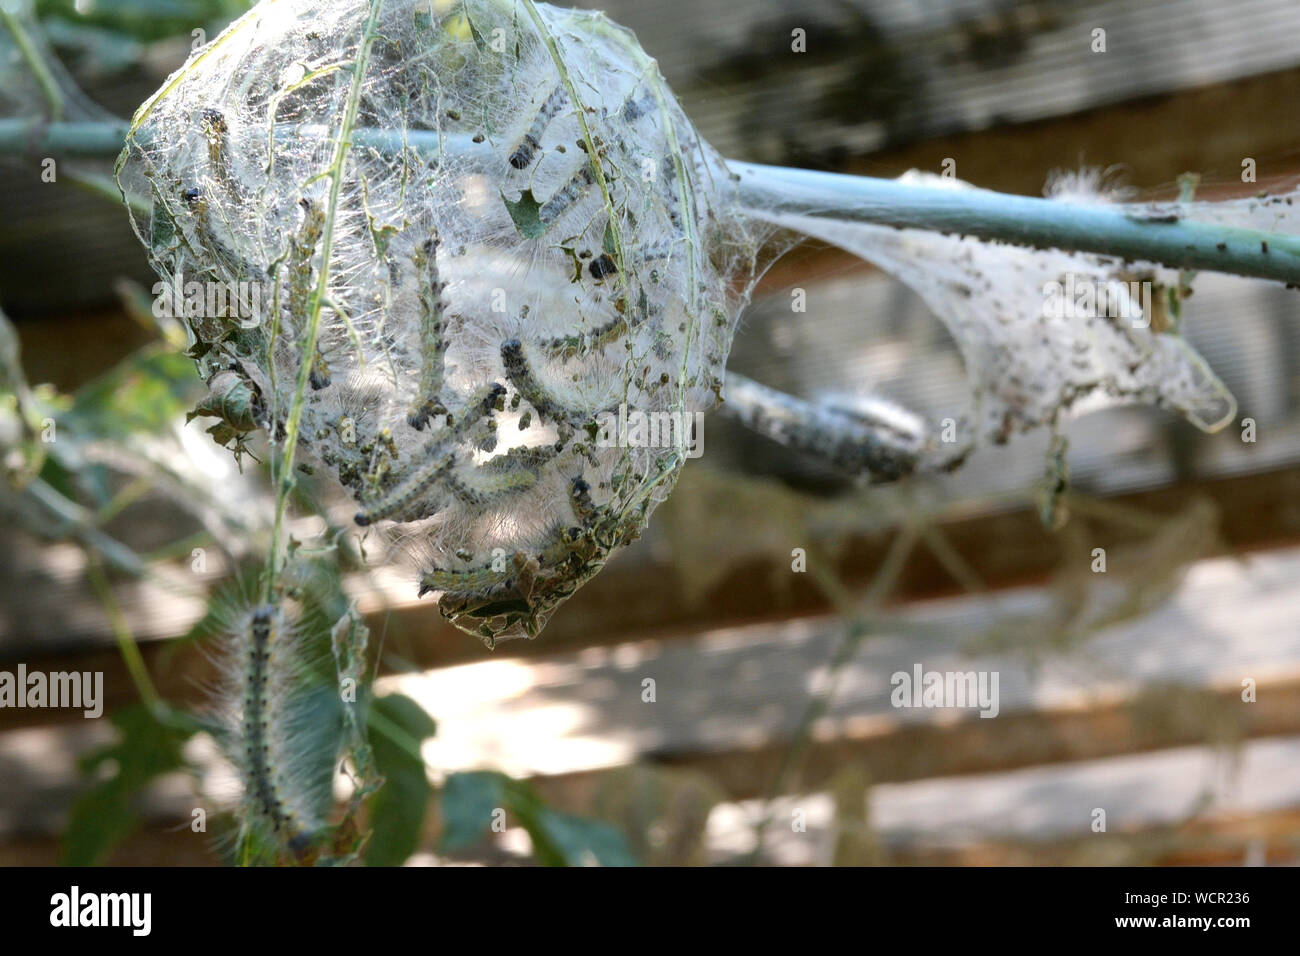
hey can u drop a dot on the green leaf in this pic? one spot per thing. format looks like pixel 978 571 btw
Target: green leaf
pixel 526 213
pixel 579 841
pixel 559 839
pixel 103 816
pixel 609 241
pixel 398 809
pixel 162 229
pixel 479 40
pixel 468 802
pixel 143 393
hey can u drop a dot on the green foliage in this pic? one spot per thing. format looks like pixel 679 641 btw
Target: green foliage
pixel 146 392
pixel 105 814
pixel 127 20
pixel 470 801
pixel 526 213
pixel 398 810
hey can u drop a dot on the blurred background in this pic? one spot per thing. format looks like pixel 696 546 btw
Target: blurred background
pixel 708 698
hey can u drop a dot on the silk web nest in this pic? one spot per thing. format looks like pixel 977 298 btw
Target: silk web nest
pixel 503 227
pixel 523 236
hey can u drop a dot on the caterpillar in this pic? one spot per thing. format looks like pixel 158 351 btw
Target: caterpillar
pixel 481 404
pixel 213 123
pixel 564 198
pixel 520 374
pixel 523 456
pixel 301 251
pixel 399 500
pixel 523 154
pixel 580 497
pixel 265 677
pixel 433 346
pixel 435 462
pixel 584 343
pixel 489 487
pixel 877 441
pixel 477 580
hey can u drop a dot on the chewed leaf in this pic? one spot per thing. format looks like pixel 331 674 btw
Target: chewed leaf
pixel 525 213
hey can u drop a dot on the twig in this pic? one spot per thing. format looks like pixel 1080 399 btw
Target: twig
pixel 81 525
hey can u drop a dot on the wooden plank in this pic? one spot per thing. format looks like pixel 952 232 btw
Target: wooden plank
pixel 638 598
pixel 1181 806
pixel 1170 805
pixel 725 702
pixel 1268 839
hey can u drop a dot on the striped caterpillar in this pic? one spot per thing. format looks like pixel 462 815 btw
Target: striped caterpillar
pixel 268 707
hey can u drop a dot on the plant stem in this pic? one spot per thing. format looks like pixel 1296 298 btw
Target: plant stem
pixel 1126 232
pixel 81 526
pixel 857 626
pixel 130 651
pixel 776 192
pixel 342 142
pixel 35 62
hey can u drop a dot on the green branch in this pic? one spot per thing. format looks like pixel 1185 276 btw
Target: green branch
pixel 1125 232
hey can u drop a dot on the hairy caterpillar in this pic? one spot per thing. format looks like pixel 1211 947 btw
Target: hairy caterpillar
pixel 266 664
pixel 563 200
pixel 523 154
pixel 581 343
pixel 486 489
pixel 519 372
pixel 435 464
pixel 432 325
pixel 874 440
pixel 403 500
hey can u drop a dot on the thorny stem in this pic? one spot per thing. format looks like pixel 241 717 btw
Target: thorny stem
pixel 774 192
pixel 284 461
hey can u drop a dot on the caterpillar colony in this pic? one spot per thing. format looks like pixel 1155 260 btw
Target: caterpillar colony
pixel 526 233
